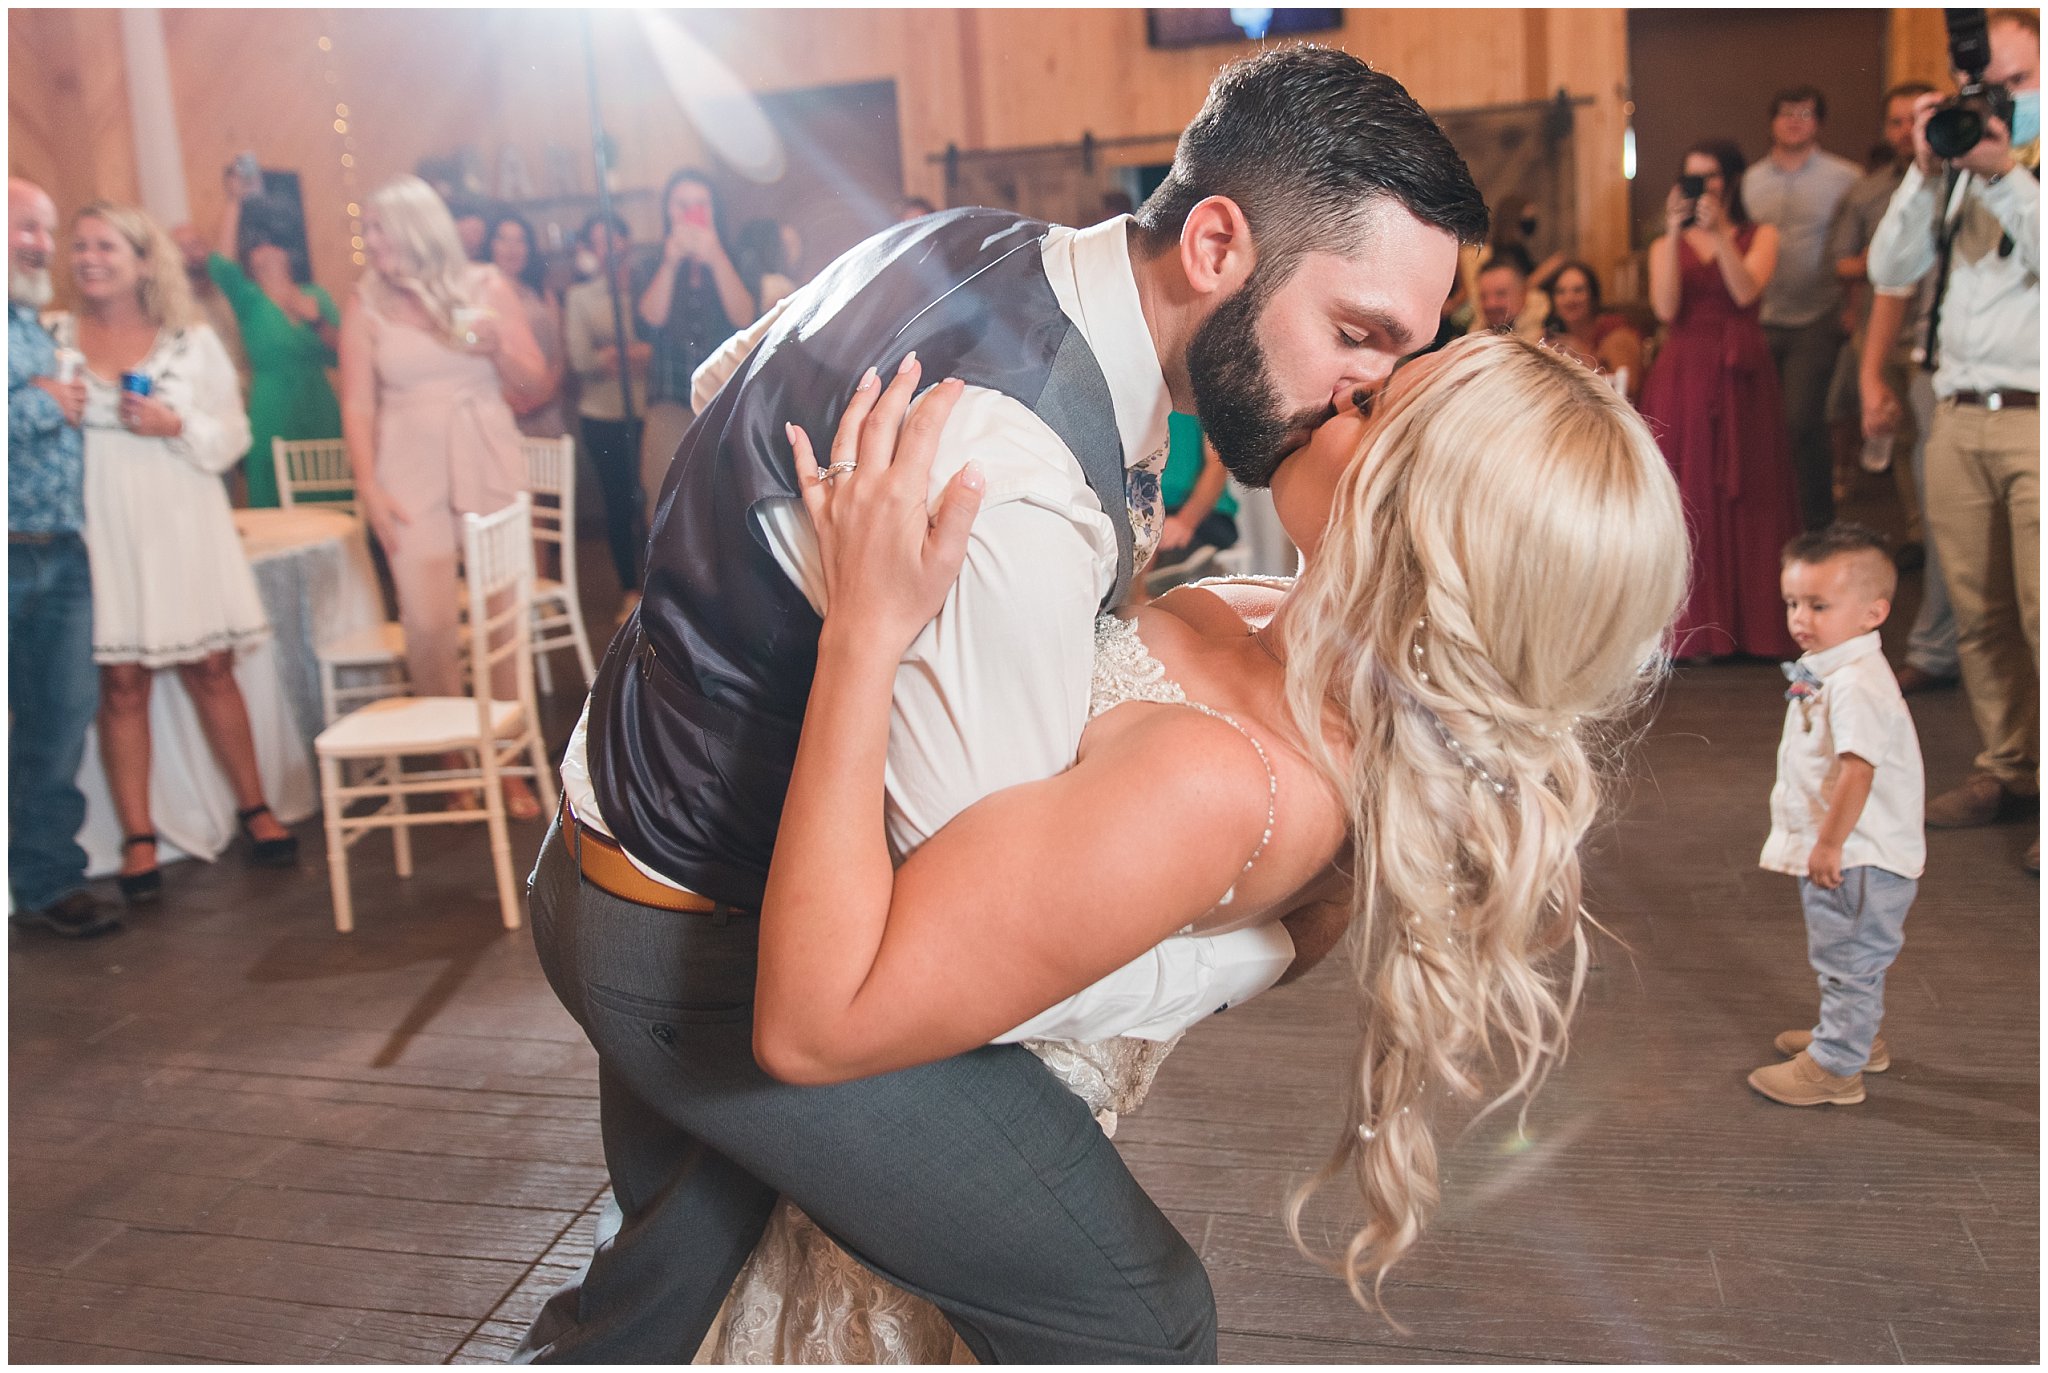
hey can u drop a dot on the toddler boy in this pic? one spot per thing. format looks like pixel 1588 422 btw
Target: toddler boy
pixel 1846 810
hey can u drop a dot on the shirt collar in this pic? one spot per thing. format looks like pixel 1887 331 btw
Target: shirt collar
pixel 1831 660
pixel 1091 274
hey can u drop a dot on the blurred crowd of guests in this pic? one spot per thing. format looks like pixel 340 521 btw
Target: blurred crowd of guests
pixel 187 355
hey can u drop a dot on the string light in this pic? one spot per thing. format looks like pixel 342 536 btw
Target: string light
pixel 353 206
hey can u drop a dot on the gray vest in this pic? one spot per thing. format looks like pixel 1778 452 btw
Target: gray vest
pixel 697 706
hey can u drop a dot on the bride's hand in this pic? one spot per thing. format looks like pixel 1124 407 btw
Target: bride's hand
pixel 889 557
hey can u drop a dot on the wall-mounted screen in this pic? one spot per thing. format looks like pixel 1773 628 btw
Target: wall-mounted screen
pixel 1188 28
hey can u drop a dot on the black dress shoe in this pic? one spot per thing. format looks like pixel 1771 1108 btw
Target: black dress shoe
pixel 140 888
pixel 268 853
pixel 74 916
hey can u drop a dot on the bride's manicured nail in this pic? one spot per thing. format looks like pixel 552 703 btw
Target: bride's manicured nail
pixel 867 379
pixel 971 476
pixel 909 361
pixel 789 432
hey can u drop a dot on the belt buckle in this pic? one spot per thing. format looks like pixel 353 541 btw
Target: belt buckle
pixel 1994 401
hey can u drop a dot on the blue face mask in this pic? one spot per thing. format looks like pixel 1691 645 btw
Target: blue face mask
pixel 2026 118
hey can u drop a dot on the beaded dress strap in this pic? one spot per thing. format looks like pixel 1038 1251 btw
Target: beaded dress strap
pixel 1272 793
pixel 1125 670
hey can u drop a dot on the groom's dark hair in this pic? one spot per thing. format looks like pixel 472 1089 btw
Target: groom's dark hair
pixel 1305 138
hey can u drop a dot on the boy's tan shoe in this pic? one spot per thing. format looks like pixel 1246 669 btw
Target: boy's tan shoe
pixel 1795 1042
pixel 1799 1081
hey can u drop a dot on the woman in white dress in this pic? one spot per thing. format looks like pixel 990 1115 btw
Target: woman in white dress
pixel 170 584
pixel 1396 750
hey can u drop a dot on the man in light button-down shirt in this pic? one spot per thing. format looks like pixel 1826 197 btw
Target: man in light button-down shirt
pixel 1984 448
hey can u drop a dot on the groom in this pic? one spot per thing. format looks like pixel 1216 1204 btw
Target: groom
pixel 1301 245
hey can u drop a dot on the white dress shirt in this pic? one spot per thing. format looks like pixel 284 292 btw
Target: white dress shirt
pixel 1991 312
pixel 1858 709
pixel 994 692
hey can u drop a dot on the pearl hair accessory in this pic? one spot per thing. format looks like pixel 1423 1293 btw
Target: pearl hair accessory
pixel 1458 750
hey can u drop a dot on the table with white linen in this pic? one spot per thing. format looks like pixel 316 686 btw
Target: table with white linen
pixel 314 573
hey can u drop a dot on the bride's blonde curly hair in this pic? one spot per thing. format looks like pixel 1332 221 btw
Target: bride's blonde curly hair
pixel 1498 581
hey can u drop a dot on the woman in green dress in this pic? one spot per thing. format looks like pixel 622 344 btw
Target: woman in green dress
pixel 289 329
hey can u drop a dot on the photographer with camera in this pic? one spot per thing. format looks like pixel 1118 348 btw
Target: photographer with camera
pixel 1712 400
pixel 1969 210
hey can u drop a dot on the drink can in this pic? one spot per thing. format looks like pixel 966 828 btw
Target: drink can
pixel 136 383
pixel 467 318
pixel 69 361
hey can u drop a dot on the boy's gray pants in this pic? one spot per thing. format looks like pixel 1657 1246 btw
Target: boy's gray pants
pixel 979 1183
pixel 1852 935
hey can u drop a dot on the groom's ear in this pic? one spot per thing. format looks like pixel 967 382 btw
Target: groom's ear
pixel 1216 250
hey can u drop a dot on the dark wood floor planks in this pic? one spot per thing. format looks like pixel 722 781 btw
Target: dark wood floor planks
pixel 238 1137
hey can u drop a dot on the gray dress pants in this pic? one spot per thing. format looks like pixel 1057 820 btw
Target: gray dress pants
pixel 979 1183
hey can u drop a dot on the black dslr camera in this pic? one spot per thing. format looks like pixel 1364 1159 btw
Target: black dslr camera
pixel 1957 124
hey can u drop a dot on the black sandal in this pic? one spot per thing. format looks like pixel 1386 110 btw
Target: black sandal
pixel 140 888
pixel 268 853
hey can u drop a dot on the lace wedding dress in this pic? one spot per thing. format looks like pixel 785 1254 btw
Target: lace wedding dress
pixel 801 1298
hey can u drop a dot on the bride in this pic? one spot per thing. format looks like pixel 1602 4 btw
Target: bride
pixel 1396 750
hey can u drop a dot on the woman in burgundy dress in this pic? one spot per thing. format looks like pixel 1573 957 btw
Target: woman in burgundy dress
pixel 1712 400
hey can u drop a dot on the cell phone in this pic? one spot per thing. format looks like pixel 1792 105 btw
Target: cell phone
pixel 1692 188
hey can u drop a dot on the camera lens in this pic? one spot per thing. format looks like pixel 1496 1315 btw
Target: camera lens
pixel 1954 129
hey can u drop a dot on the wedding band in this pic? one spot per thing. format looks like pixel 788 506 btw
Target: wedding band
pixel 837 469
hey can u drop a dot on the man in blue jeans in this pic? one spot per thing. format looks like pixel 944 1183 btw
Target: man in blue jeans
pixel 52 687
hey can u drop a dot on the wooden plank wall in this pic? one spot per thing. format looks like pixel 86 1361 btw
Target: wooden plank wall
pixel 67 105
pixel 424 82
pixel 1918 48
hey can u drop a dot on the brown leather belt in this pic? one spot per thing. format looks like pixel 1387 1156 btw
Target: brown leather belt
pixel 1999 400
pixel 606 867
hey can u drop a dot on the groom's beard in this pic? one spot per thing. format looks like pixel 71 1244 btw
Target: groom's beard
pixel 28 286
pixel 1234 394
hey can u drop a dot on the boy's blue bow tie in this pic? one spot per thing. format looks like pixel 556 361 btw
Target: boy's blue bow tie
pixel 1805 681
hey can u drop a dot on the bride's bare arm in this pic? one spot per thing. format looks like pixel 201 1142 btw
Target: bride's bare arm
pixel 1023 899
pixel 1020 901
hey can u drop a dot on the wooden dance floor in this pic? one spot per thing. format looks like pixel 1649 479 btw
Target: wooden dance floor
pixel 238 1136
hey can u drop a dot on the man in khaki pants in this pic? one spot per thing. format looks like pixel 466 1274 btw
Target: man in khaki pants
pixel 1984 450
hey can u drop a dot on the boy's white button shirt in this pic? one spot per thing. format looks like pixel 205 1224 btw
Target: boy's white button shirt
pixel 1856 709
